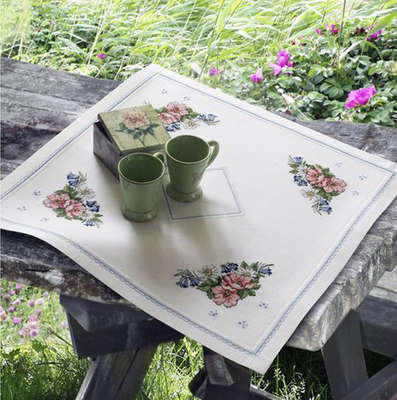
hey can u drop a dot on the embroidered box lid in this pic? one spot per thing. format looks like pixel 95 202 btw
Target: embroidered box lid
pixel 134 128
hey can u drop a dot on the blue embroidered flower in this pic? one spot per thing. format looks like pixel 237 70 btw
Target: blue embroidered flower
pixel 203 117
pixel 228 267
pixel 265 270
pixel 207 118
pixel 194 281
pixel 188 281
pixel 298 160
pixel 183 282
pixel 89 223
pixel 92 205
pixel 300 180
pixel 73 179
pixel 323 205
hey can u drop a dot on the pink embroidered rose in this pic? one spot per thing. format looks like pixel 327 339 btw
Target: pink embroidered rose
pixel 74 208
pixel 56 200
pixel 168 118
pixel 177 108
pixel 314 176
pixel 334 185
pixel 135 119
pixel 237 282
pixel 227 297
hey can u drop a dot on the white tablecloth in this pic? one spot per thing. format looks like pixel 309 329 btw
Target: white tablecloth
pixel 284 208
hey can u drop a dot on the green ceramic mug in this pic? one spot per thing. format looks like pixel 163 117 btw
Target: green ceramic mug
pixel 141 176
pixel 187 158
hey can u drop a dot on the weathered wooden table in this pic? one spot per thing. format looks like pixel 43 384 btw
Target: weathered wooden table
pixel 37 103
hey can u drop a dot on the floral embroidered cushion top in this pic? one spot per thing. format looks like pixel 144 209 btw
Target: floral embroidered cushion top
pixel 283 210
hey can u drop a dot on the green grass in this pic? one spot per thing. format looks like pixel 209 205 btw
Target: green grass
pixel 45 367
pixel 235 36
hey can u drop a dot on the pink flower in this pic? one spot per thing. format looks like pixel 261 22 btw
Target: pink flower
pixel 284 59
pixel 318 31
pixel 213 71
pixel 375 35
pixel 168 118
pixel 38 311
pixel 12 292
pixel 11 309
pixel 237 282
pixel 314 176
pixel 31 303
pixel 16 321
pixel 334 29
pixel 258 76
pixel 33 332
pixel 227 297
pixel 360 97
pixel 102 56
pixel 16 302
pixel 18 287
pixel 74 208
pixel 22 333
pixel 56 200
pixel 6 298
pixel 276 69
pixel 177 108
pixel 45 294
pixel 64 324
pixel 334 185
pixel 39 301
pixel 135 119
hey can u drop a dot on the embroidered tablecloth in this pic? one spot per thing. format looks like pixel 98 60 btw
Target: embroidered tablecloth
pixel 284 208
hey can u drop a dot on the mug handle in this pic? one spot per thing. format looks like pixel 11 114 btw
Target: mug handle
pixel 214 146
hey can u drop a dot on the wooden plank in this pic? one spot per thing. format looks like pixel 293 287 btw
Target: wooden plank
pixel 116 376
pixel 57 84
pixel 382 386
pixel 344 359
pixel 379 325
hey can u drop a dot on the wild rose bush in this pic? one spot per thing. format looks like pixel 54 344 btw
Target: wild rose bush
pixel 331 73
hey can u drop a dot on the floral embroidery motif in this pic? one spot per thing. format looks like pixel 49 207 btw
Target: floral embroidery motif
pixel 22 208
pixel 243 324
pixel 137 124
pixel 75 201
pixel 319 185
pixel 227 284
pixel 37 192
pixel 175 114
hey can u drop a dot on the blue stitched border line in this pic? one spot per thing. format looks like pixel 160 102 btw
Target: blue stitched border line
pixel 121 278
